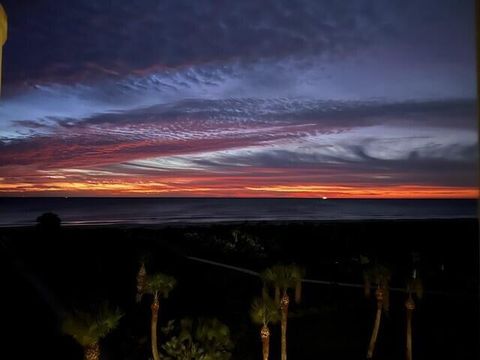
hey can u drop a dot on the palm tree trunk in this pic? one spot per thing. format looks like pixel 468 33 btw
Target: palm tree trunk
pixel 92 352
pixel 265 335
pixel 284 308
pixel 376 326
pixel 155 306
pixel 410 305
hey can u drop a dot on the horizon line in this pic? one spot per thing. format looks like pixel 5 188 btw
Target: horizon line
pixel 236 197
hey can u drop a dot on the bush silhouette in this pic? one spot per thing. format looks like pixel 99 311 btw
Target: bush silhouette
pixel 49 221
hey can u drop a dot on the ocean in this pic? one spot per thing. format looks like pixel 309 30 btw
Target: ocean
pixel 109 211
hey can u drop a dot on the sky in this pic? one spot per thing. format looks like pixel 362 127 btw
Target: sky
pixel 272 98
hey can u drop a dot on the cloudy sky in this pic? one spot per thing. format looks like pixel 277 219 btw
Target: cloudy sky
pixel 360 98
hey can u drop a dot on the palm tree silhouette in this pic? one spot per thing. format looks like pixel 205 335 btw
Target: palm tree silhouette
pixel 283 278
pixel 378 276
pixel 159 285
pixel 414 289
pixel 264 311
pixel 88 329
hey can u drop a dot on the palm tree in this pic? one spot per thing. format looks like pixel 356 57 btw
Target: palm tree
pixel 414 289
pixel 264 311
pixel 88 329
pixel 379 276
pixel 159 285
pixel 283 278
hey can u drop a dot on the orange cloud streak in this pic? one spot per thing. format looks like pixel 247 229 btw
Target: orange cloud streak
pixel 187 187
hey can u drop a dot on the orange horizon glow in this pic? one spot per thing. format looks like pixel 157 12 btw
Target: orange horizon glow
pixel 154 188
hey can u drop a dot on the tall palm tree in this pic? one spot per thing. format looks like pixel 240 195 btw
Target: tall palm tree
pixel 283 278
pixel 414 289
pixel 88 329
pixel 264 311
pixel 378 276
pixel 159 285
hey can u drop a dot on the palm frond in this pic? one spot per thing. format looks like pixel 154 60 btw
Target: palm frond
pixel 268 276
pixel 264 291
pixel 297 274
pixel 212 331
pixel 160 283
pixel 108 319
pixel 79 326
pixel 378 275
pixel 87 328
pixel 283 277
pixel 264 311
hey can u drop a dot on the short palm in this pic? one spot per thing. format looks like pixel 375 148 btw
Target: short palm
pixel 88 329
pixel 160 285
pixel 284 277
pixel 264 311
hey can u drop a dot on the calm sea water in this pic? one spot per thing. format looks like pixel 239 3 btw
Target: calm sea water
pixel 90 211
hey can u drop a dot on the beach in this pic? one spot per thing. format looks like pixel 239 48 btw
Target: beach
pixel 52 271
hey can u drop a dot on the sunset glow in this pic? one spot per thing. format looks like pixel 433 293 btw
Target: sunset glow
pixel 187 188
pixel 340 101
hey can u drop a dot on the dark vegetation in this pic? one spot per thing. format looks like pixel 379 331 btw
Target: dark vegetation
pixel 48 274
pixel 49 222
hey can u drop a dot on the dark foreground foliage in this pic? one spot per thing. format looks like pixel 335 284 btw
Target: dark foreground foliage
pixel 45 276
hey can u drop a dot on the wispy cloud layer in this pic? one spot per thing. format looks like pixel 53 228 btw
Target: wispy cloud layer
pixel 190 98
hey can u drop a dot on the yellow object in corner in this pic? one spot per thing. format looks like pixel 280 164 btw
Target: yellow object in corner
pixel 3 26
pixel 3 37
